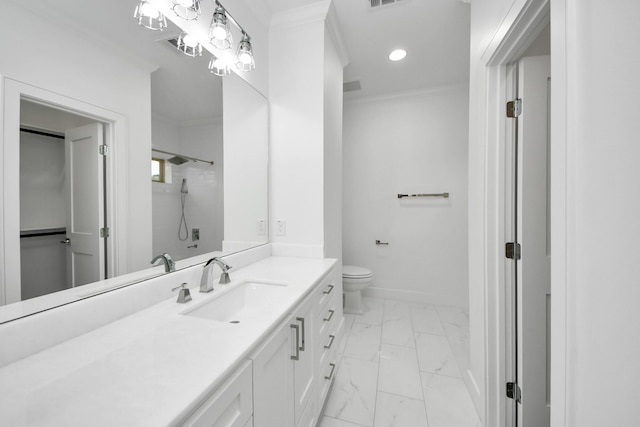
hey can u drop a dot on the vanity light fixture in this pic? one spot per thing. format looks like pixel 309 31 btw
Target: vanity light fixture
pixel 189 45
pixel 149 16
pixel 187 9
pixel 218 67
pixel 244 56
pixel 219 31
pixel 397 54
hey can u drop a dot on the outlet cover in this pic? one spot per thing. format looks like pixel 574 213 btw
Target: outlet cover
pixel 281 227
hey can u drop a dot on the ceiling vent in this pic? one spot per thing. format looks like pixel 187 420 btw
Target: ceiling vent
pixel 378 3
pixel 351 86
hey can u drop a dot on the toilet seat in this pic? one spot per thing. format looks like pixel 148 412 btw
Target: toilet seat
pixel 355 272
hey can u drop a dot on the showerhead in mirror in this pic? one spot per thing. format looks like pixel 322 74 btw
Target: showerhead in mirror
pixel 177 160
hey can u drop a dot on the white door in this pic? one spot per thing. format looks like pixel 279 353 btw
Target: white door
pixel 85 193
pixel 534 270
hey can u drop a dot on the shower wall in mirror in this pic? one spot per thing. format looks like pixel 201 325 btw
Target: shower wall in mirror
pixel 101 66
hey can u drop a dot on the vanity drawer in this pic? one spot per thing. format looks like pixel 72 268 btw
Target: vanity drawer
pixel 327 289
pixel 328 363
pixel 327 316
pixel 231 405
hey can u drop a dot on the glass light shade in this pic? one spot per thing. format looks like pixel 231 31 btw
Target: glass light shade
pixel 188 45
pixel 187 9
pixel 219 31
pixel 149 16
pixel 218 67
pixel 244 56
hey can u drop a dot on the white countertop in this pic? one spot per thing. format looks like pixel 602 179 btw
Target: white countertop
pixel 151 368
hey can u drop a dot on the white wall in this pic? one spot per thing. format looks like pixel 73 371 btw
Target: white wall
pixel 603 207
pixel 246 175
pixel 594 209
pixel 46 57
pixel 203 203
pixel 305 137
pixel 411 143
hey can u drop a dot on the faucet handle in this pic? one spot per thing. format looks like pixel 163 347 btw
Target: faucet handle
pixel 184 295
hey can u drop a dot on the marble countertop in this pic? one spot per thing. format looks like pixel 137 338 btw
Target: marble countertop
pixel 153 367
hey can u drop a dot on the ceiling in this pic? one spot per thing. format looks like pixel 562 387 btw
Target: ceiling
pixel 435 33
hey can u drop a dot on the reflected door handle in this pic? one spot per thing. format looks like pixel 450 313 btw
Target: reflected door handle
pixel 66 241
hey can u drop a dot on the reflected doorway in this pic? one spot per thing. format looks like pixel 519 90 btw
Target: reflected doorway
pixel 62 200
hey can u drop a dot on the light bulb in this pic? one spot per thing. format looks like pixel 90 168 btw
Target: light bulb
pixel 149 10
pixel 219 32
pixel 189 40
pixel 245 58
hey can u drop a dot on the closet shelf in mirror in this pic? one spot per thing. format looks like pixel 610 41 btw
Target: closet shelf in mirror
pixel 43 232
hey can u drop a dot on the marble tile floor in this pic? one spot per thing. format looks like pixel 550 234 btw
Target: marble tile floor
pixel 402 366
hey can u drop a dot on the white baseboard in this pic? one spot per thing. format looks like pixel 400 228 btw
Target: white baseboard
pixel 297 251
pixel 413 296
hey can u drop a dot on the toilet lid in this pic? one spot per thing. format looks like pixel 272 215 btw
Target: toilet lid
pixel 354 272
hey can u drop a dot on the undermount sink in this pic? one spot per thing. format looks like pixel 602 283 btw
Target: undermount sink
pixel 248 300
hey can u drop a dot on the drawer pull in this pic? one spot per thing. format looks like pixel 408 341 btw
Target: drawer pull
pixel 328 346
pixel 297 355
pixel 329 291
pixel 330 376
pixel 328 319
pixel 301 320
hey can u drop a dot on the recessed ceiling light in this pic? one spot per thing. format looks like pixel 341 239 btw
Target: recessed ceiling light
pixel 397 55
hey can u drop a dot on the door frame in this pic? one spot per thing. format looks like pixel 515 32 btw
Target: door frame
pixel 525 20
pixel 11 93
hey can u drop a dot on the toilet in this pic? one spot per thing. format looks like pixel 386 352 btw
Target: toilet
pixel 354 280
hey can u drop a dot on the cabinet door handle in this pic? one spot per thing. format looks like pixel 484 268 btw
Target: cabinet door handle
pixel 297 355
pixel 328 346
pixel 301 320
pixel 330 376
pixel 330 289
pixel 328 319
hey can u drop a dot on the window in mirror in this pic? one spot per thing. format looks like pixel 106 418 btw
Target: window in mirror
pixel 157 170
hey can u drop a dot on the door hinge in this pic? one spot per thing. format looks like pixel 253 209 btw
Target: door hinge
pixel 104 232
pixel 513 250
pixel 514 392
pixel 104 150
pixel 514 108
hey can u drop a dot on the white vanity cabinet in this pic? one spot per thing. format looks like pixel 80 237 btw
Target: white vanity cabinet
pixel 231 405
pixel 286 367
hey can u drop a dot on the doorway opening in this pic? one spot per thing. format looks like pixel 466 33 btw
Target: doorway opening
pixel 62 200
pixel 509 389
pixel 527 232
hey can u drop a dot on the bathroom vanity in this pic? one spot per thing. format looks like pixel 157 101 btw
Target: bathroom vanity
pixel 259 351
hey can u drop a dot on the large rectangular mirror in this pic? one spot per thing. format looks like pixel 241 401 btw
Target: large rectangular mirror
pixel 117 147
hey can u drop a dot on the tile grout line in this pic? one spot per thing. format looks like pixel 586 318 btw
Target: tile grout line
pixel 415 345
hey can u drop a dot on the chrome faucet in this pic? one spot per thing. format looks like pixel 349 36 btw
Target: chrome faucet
pixel 169 265
pixel 206 282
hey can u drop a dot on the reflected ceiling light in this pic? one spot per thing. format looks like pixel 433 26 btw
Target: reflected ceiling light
pixel 187 9
pixel 219 31
pixel 219 67
pixel 149 16
pixel 244 56
pixel 397 55
pixel 189 45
